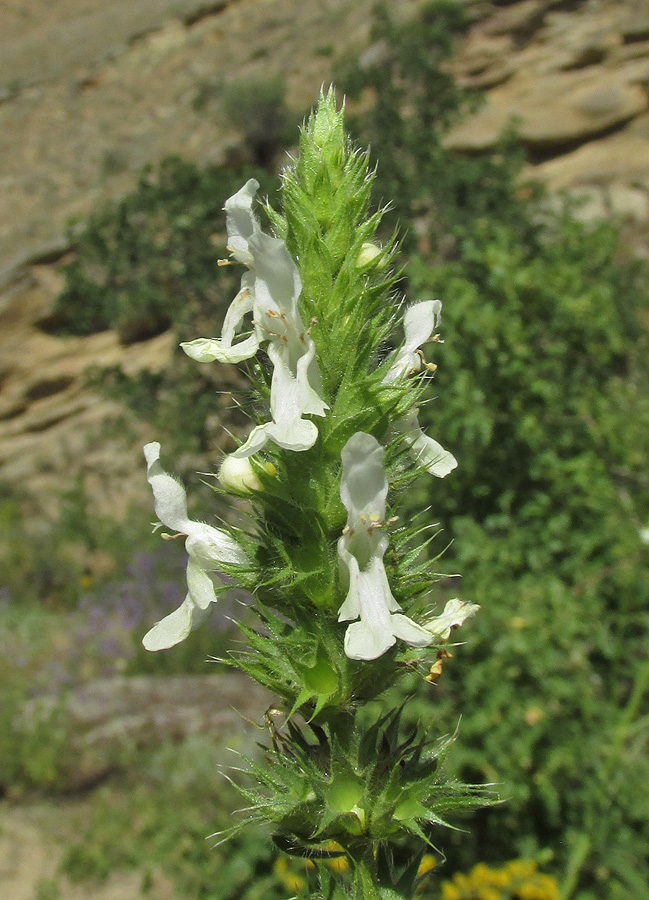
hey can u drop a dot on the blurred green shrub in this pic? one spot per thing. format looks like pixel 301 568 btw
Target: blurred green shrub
pixel 47 561
pixel 544 398
pixel 257 107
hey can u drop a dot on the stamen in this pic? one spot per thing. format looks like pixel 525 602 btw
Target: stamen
pixel 172 537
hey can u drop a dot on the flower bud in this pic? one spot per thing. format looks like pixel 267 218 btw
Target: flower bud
pixel 238 475
pixel 368 254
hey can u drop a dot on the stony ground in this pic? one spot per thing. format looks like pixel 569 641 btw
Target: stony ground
pixel 106 716
pixel 31 845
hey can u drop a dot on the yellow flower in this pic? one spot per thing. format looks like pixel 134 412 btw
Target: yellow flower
pixel 481 872
pixel 549 887
pixel 450 891
pixel 427 864
pixel 291 880
pixel 339 863
pixel 488 893
pixel 521 868
pixel 499 878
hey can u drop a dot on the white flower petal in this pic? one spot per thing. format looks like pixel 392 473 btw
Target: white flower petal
pixel 223 350
pixel 206 350
pixel 212 546
pixel 364 641
pixel 169 495
pixel 241 222
pixel 419 323
pixel 363 486
pixel 174 628
pixel 456 612
pixel 199 584
pixel 427 452
pixel 298 435
pixel 408 631
pixel 277 282
pixel 309 380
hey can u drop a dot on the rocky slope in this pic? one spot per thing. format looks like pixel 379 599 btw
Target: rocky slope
pixel 89 95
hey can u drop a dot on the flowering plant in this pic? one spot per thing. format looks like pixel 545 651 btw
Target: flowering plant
pixel 341 584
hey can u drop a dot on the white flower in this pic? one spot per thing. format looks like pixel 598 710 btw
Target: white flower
pixel 241 225
pixel 419 323
pixel 224 349
pixel 427 452
pixel 296 385
pixel 456 612
pixel 270 291
pixel 363 490
pixel 207 548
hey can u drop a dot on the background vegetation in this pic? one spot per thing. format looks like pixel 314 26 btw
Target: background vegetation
pixel 543 397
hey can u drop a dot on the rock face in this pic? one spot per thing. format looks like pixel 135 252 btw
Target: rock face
pixel 89 95
pixel 573 79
